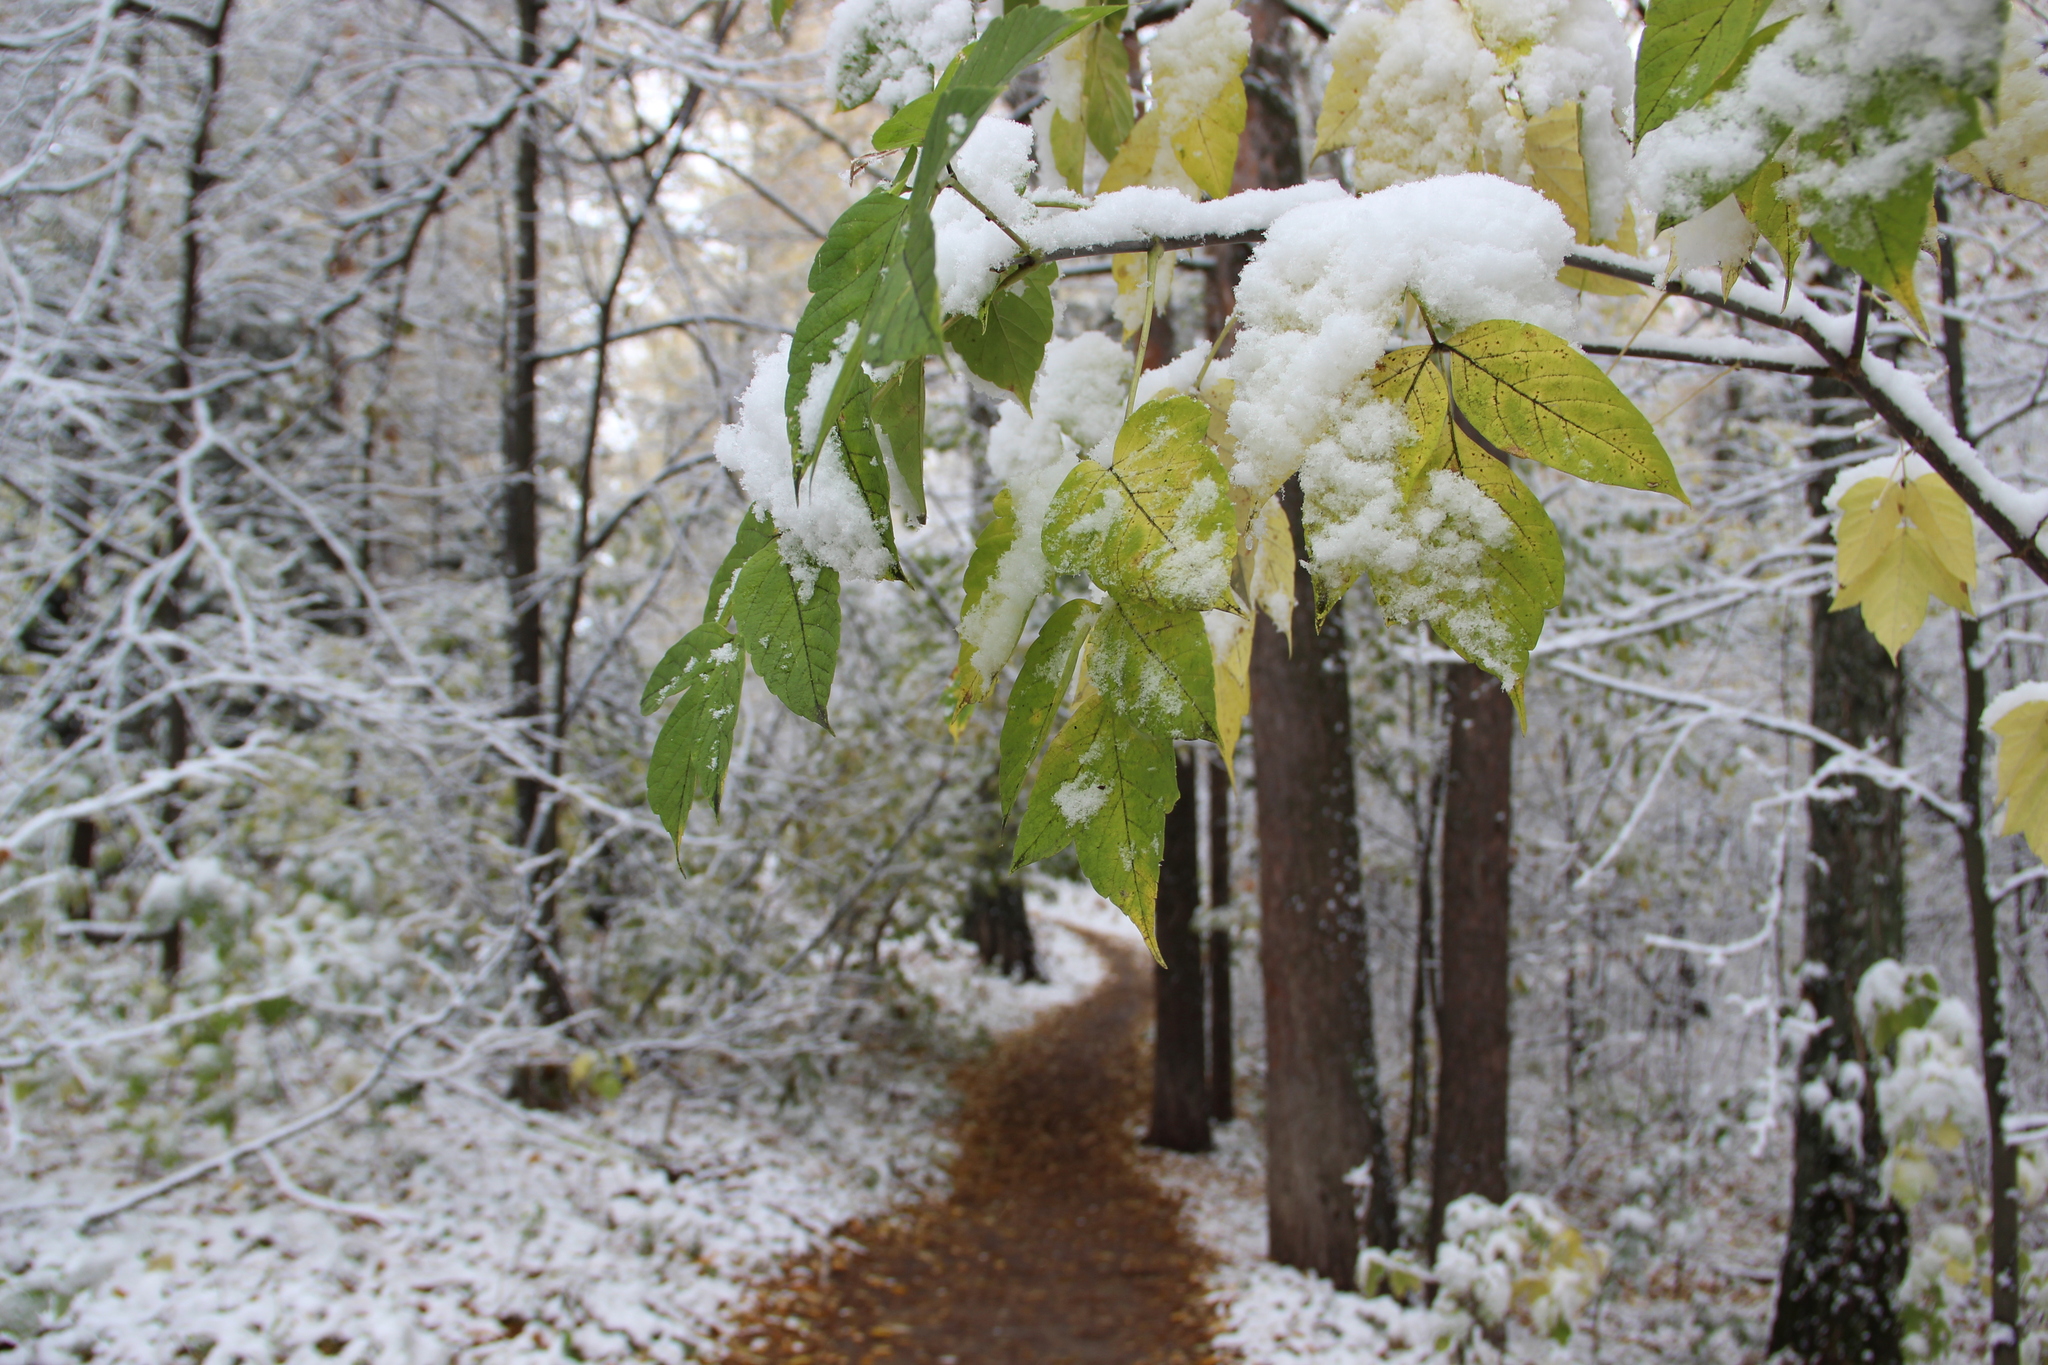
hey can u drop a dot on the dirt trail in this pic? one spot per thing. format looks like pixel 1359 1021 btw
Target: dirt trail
pixel 1053 1248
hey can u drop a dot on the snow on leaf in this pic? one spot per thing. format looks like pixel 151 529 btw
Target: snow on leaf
pixel 1105 786
pixel 1041 689
pixel 2020 720
pixel 1897 542
pixel 2013 156
pixel 1156 524
pixel 844 277
pixel 702 671
pixel 1766 203
pixel 1153 665
pixel 791 629
pixel 1687 45
pixel 980 656
pixel 1272 575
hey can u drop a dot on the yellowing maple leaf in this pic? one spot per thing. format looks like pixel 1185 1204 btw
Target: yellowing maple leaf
pixel 1898 542
pixel 2020 720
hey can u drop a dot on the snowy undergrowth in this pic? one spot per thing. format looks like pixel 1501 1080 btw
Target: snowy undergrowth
pixel 457 1229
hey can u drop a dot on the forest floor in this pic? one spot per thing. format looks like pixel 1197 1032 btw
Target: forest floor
pixel 1052 1246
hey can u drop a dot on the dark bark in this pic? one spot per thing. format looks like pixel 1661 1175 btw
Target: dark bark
pixel 538 1085
pixel 1322 1082
pixel 1322 1079
pixel 1422 996
pixel 1222 1045
pixel 1180 1098
pixel 2005 1212
pixel 1846 1248
pixel 1471 1150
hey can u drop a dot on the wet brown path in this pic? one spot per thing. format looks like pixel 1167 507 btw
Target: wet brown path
pixel 1052 1250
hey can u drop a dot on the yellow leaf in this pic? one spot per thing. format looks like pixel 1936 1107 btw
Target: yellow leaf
pixel 1233 684
pixel 2023 772
pixel 1897 544
pixel 1272 575
pixel 1557 169
pixel 1946 1135
pixel 1354 53
pixel 1135 160
pixel 1207 147
pixel 580 1068
pixel 1069 149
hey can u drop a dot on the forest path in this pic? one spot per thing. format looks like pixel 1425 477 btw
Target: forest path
pixel 1053 1249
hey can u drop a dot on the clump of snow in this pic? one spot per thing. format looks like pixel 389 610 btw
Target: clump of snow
pixel 1080 393
pixel 1444 88
pixel 1893 467
pixel 1196 57
pixel 995 165
pixel 825 522
pixel 1143 212
pixel 2010 700
pixel 892 50
pixel 1832 57
pixel 1934 1085
pixel 1320 303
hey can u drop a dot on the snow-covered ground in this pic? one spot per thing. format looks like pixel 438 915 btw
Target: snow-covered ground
pixel 460 1228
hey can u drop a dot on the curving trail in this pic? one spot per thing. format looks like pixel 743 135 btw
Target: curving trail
pixel 1053 1248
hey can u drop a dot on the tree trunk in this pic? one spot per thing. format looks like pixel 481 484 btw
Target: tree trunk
pixel 1471 1152
pixel 1423 992
pixel 1846 1249
pixel 534 810
pixel 2005 1213
pixel 1322 1075
pixel 1180 1100
pixel 1222 1047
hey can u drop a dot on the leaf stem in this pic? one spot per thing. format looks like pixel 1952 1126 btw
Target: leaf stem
pixel 1214 347
pixel 1144 330
pixel 953 184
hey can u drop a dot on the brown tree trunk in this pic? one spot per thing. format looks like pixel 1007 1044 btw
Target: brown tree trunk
pixel 1322 1074
pixel 1180 1100
pixel 2005 1212
pixel 1222 1047
pixel 1846 1248
pixel 1471 1151
pixel 533 808
pixel 1423 991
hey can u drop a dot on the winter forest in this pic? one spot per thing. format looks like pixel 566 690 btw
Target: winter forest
pixel 1260 681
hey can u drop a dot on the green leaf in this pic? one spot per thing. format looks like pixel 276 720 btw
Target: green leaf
pixel 1041 688
pixel 844 280
pixel 995 540
pixel 1758 41
pixel 1154 666
pixel 1106 786
pixel 897 411
pixel 987 68
pixel 1006 344
pixel 755 531
pixel 1878 237
pixel 864 464
pixel 1157 524
pixel 906 127
pixel 1207 147
pixel 778 10
pixel 1535 396
pixel 1500 624
pixel 1686 46
pixel 903 321
pixel 1775 217
pixel 1106 108
pixel 702 672
pixel 790 627
pixel 1069 149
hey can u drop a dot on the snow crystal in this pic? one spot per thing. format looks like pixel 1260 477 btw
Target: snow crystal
pixel 890 50
pixel 828 522
pixel 1080 405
